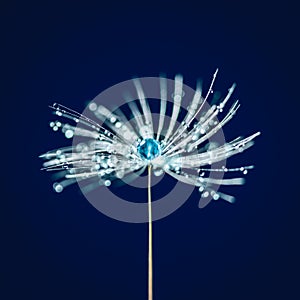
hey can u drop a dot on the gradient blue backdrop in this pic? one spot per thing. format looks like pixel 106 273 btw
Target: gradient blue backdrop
pixel 57 246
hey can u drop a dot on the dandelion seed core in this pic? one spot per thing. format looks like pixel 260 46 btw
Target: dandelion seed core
pixel 148 149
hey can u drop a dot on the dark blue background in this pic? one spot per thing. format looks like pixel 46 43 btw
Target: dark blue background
pixel 57 246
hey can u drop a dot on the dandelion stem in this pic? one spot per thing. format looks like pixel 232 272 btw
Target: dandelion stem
pixel 150 271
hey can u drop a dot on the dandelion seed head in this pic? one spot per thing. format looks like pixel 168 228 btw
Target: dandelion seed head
pixel 186 144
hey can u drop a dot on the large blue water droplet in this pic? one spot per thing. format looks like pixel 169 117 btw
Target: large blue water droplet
pixel 149 149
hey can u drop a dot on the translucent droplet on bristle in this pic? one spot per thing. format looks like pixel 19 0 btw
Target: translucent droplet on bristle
pixel 120 174
pixel 113 119
pixel 158 172
pixel 58 188
pixel 205 194
pixel 101 173
pixel 202 131
pixel 69 133
pixel 177 98
pixel 216 196
pixel 107 182
pixel 93 106
pixel 201 189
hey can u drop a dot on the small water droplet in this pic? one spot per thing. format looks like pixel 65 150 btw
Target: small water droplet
pixel 113 119
pixel 205 194
pixel 69 133
pixel 58 187
pixel 92 106
pixel 216 196
pixel 118 124
pixel 107 182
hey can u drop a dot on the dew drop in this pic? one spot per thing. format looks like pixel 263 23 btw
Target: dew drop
pixel 158 172
pixel 58 188
pixel 113 119
pixel 69 133
pixel 177 98
pixel 216 196
pixel 205 194
pixel 120 174
pixel 92 106
pixel 202 131
pixel 148 149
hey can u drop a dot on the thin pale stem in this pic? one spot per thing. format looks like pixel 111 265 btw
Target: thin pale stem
pixel 150 265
